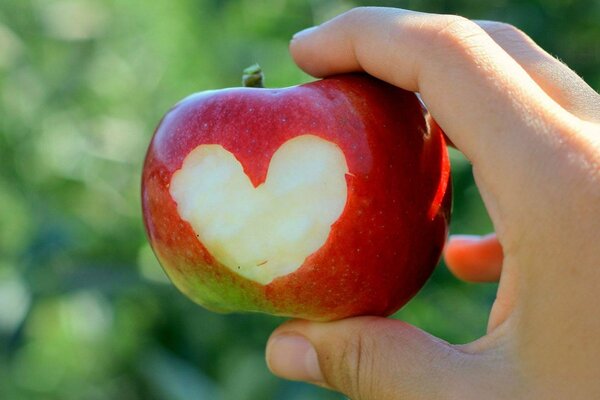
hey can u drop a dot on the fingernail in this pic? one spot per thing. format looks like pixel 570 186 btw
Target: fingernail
pixel 304 33
pixel 293 357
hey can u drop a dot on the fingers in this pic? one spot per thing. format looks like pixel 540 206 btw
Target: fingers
pixel 458 69
pixel 369 358
pixel 554 77
pixel 480 259
pixel 474 258
pixel 484 100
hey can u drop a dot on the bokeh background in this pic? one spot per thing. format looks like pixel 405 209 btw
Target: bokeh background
pixel 85 310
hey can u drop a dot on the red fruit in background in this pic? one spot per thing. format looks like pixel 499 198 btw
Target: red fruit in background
pixel 320 201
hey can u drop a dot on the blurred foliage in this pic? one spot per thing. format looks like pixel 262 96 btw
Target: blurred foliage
pixel 86 312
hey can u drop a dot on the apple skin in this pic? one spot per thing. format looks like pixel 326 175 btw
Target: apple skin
pixel 390 235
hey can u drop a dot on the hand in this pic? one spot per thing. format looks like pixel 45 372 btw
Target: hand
pixel 530 127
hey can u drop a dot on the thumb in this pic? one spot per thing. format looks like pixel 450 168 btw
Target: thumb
pixel 370 358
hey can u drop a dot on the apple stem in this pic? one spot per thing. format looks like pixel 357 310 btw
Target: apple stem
pixel 253 77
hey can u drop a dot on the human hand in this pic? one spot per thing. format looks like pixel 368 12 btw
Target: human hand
pixel 531 128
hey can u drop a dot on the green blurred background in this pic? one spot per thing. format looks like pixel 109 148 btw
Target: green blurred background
pixel 85 310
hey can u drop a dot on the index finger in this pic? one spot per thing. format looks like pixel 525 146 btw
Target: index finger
pixel 483 99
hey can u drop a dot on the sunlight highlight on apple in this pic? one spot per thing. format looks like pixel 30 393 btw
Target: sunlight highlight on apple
pixel 264 232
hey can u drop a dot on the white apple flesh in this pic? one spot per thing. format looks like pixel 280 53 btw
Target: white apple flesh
pixel 267 231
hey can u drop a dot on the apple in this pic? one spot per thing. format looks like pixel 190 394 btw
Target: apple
pixel 319 201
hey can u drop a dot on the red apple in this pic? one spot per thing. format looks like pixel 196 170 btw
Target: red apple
pixel 320 201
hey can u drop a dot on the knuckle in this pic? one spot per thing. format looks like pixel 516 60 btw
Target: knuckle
pixel 505 32
pixel 359 16
pixel 499 26
pixel 356 367
pixel 356 14
pixel 456 33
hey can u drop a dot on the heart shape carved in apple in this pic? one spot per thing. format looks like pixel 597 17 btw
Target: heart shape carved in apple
pixel 267 231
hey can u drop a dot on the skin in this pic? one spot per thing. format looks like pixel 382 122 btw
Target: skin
pixel 530 127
